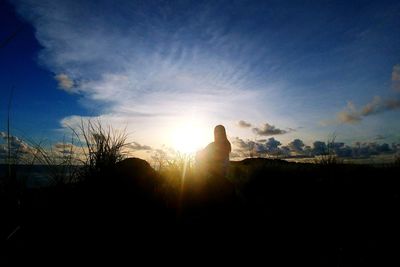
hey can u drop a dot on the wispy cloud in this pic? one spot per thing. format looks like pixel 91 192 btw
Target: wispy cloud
pixel 134 63
pixel 349 114
pixel 146 64
pixel 377 105
pixel 64 82
pixel 353 115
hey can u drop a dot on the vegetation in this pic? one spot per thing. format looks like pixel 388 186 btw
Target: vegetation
pixel 397 160
pixel 329 157
pixel 102 148
pixel 111 199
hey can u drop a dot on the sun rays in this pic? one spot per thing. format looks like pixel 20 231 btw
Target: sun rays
pixel 189 136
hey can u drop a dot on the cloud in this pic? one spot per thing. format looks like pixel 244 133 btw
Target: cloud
pixel 296 146
pixel 358 150
pixel 242 148
pixel 244 124
pixel 349 114
pixel 131 62
pixel 68 149
pixel 396 77
pixel 267 130
pixel 136 146
pixel 379 137
pixel 365 150
pixel 64 82
pixel 377 105
pixel 353 115
pixel 18 148
pixel 292 129
pixel 271 146
pixel 319 148
pixel 241 144
pixel 250 148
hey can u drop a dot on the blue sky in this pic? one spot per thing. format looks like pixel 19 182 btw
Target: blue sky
pixel 307 68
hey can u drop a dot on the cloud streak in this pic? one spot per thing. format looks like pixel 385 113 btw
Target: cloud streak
pixel 134 62
pixel 148 64
pixel 64 82
pixel 378 105
pixel 352 115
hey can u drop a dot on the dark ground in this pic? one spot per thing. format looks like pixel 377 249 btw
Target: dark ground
pixel 267 212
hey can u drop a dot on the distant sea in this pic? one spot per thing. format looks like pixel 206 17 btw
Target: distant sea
pixel 32 175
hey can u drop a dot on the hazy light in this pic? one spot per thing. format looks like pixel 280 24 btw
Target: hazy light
pixel 189 137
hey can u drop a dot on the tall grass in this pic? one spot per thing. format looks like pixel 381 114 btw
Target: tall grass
pixel 102 147
pixel 61 166
pixel 397 160
pixel 94 150
pixel 8 134
pixel 176 168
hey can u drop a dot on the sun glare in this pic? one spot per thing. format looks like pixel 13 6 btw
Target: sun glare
pixel 189 137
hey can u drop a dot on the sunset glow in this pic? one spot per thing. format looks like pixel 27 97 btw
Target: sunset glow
pixel 281 76
pixel 188 137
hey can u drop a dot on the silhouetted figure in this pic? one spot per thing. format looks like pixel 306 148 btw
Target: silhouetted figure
pixel 214 159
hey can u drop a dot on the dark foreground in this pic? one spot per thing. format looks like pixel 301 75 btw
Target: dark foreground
pixel 267 212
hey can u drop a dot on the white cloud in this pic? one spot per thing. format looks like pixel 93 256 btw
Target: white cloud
pixel 64 82
pixel 143 74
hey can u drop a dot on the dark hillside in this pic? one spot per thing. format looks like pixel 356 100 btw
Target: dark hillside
pixel 339 215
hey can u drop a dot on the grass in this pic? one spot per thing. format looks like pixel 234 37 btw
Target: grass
pixel 111 201
pixel 102 148
pixel 397 160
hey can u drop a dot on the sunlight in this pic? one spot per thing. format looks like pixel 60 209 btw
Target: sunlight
pixel 190 137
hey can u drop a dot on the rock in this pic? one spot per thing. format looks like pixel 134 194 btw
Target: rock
pixel 137 173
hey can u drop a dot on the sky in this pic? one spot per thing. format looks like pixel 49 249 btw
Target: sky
pixel 169 71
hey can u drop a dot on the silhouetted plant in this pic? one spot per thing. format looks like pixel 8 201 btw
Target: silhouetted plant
pixel 61 166
pixel 102 147
pixel 329 157
pixel 177 167
pixel 397 160
pixel 159 159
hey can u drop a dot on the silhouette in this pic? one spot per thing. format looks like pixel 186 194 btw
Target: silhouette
pixel 214 159
pixel 263 210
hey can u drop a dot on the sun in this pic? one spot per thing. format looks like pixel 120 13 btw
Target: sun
pixel 189 137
